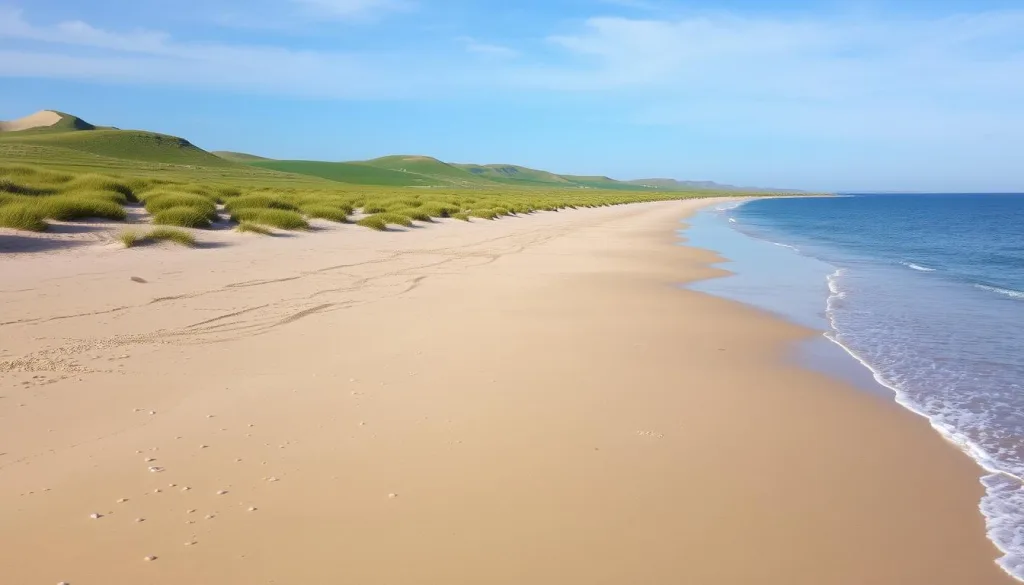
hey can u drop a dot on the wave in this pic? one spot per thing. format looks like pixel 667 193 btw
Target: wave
pixel 1016 294
pixel 917 267
pixel 1003 501
pixel 732 220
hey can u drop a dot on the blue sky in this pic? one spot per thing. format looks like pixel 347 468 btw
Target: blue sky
pixel 832 95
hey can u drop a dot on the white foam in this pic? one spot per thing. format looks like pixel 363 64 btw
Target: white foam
pixel 1016 294
pixel 1003 502
pixel 918 267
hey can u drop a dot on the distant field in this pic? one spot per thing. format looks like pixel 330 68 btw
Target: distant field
pixel 352 173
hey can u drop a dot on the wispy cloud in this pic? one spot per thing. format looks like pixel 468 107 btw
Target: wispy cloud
pixel 474 46
pixel 929 78
pixel 353 9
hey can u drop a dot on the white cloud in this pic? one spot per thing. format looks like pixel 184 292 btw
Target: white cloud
pixel 474 46
pixel 353 9
pixel 958 77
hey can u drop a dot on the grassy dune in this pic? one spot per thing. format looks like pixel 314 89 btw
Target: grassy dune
pixel 75 171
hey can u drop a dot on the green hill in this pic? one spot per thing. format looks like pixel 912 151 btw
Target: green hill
pixel 123 144
pixel 241 157
pixel 428 167
pixel 515 174
pixel 351 172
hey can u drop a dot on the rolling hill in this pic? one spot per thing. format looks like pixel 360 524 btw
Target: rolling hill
pixel 355 173
pixel 238 156
pixel 56 138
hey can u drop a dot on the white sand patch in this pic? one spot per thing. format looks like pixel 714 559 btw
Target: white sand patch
pixel 40 119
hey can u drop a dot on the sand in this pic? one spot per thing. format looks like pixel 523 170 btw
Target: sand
pixel 40 119
pixel 531 400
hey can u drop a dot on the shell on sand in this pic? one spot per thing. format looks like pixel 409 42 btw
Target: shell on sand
pixel 95 516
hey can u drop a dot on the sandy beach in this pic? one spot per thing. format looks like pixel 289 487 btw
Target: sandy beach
pixel 531 400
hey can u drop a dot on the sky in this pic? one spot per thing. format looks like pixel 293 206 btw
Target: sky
pixel 833 95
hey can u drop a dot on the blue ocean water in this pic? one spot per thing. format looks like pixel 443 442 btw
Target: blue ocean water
pixel 926 291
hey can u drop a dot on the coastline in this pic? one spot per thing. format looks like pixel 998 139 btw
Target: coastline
pixel 408 364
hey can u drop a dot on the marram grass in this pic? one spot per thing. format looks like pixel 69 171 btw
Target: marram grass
pixel 325 212
pixel 22 217
pixel 253 228
pixel 189 217
pixel 132 237
pixel 279 218
pixel 374 222
pixel 169 234
pixel 392 218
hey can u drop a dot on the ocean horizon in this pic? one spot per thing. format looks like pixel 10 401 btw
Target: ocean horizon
pixel 924 291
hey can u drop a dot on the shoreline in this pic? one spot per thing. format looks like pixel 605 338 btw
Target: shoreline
pixel 413 369
pixel 873 380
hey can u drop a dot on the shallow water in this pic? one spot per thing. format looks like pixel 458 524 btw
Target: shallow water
pixel 926 292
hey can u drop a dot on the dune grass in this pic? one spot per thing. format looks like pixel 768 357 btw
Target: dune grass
pixel 374 222
pixel 69 208
pixel 325 212
pixel 253 228
pixel 392 218
pixel 189 217
pixel 132 237
pixel 461 215
pixel 163 200
pixel 168 234
pixel 279 218
pixel 22 217
pixel 258 202
pixel 484 213
pixel 416 214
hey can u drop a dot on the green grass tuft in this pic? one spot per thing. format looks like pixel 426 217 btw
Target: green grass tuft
pixel 325 212
pixel 279 218
pixel 162 200
pixel 258 202
pixel 253 228
pixel 484 213
pixel 461 215
pixel 101 183
pixel 374 222
pixel 69 208
pixel 169 234
pixel 189 217
pixel 438 209
pixel 417 214
pixel 130 238
pixel 374 207
pixel 396 219
pixel 22 216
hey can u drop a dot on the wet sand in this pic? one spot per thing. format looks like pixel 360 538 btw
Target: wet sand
pixel 530 400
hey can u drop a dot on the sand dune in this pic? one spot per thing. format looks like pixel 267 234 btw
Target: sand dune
pixel 39 119
pixel 532 400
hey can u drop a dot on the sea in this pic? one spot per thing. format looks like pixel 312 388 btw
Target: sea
pixel 920 297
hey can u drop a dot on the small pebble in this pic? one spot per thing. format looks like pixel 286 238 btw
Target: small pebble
pixel 149 558
pixel 209 416
pixel 209 517
pixel 95 516
pixel 221 492
pixel 140 519
pixel 157 491
pixel 189 543
pixel 252 509
pixel 190 511
pixel 271 479
pixel 155 469
pixel 150 459
pixel 152 412
pixel 203 446
pixel 185 489
pixel 392 496
pixel 122 500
